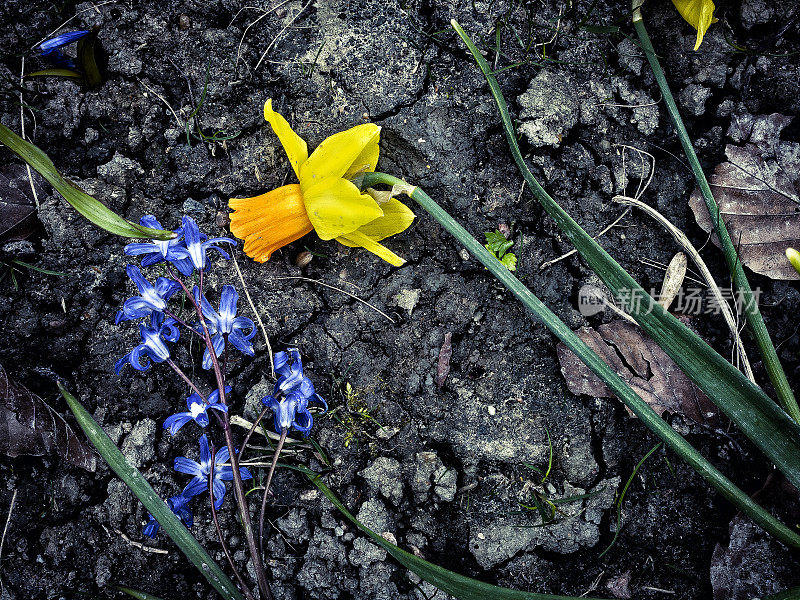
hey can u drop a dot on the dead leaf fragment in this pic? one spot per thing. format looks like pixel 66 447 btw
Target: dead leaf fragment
pixel 758 193
pixel 643 365
pixel 445 353
pixel 28 426
pixel 18 218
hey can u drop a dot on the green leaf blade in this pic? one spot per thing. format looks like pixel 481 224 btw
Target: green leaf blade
pixel 764 423
pixel 460 586
pixel 151 500
pixel 90 208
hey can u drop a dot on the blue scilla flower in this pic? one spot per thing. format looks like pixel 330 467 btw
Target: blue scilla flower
pixel 153 298
pixel 238 330
pixel 197 244
pixel 157 251
pixel 292 394
pixel 51 49
pixel 178 505
pixel 161 329
pixel 201 471
pixel 198 411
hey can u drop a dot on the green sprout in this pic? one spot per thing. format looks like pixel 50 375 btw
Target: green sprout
pixel 354 414
pixel 497 244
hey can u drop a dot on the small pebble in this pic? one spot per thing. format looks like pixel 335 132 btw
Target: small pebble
pixel 303 259
pixel 492 410
pixel 184 22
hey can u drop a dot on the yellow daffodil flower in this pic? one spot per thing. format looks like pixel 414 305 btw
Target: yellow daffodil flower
pixel 794 258
pixel 325 200
pixel 699 14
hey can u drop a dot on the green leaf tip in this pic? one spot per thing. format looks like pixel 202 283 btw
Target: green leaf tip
pixel 152 502
pixel 89 207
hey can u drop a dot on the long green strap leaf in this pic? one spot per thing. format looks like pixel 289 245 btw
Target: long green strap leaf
pixel 152 502
pixel 94 210
pixel 460 586
pixel 750 306
pixel 762 421
pixel 790 594
pixel 136 593
pixel 615 383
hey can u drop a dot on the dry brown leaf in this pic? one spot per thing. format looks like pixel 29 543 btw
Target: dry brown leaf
pixel 18 218
pixel 29 426
pixel 445 353
pixel 643 365
pixel 757 192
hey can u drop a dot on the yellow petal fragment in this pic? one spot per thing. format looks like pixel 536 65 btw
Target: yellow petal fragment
pixel 294 146
pixel 396 217
pixel 699 14
pixel 269 221
pixel 358 239
pixel 794 258
pixel 367 160
pixel 337 154
pixel 336 207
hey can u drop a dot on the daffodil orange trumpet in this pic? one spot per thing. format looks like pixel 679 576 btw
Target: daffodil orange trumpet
pixel 325 200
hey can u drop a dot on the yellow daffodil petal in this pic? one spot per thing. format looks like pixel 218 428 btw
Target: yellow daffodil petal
pixel 358 239
pixel 336 207
pixel 794 258
pixel 699 14
pixel 337 154
pixel 367 160
pixel 294 146
pixel 396 217
pixel 269 221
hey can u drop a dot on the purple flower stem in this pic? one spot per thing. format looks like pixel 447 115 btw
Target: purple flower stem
pixel 250 432
pixel 238 487
pixel 278 449
pixel 188 381
pixel 245 590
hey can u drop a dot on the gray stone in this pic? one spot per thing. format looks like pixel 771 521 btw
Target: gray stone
pixel 425 465
pixel 693 99
pixel 757 12
pixel 578 461
pixel 365 552
pixel 577 527
pixel 120 170
pixel 549 109
pixel 294 525
pixel 139 444
pixel 384 476
pixel 445 483
pixel 374 515
pixel 375 582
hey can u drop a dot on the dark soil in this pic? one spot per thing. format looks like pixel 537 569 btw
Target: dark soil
pixel 447 471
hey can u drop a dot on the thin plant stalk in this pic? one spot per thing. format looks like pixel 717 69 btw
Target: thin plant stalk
pixel 278 449
pixel 672 439
pixel 245 588
pixel 755 320
pixel 238 486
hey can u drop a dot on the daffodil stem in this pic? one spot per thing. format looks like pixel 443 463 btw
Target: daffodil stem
pixel 278 449
pixel 755 320
pixel 672 439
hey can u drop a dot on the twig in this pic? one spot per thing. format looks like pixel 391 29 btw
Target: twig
pixel 266 489
pixel 280 33
pixel 246 29
pixel 8 521
pixel 22 130
pixel 684 242
pixel 391 320
pixel 250 432
pixel 160 97
pixel 550 263
pixel 258 317
pixel 138 545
